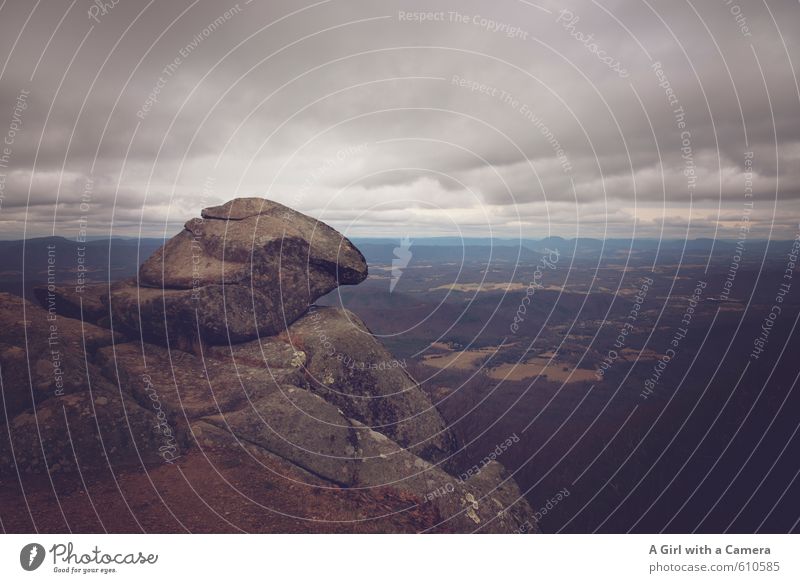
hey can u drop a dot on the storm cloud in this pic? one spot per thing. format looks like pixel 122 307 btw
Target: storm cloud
pixel 393 118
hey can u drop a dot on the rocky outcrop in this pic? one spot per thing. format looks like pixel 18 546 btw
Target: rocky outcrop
pixel 84 431
pixel 300 427
pixel 224 351
pixel 303 428
pixel 348 367
pixel 187 387
pixel 245 269
pixel 82 302
pixel 43 354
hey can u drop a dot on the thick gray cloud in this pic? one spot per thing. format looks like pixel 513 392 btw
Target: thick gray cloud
pixel 431 117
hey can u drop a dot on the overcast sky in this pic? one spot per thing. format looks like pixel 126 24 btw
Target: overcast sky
pixel 472 118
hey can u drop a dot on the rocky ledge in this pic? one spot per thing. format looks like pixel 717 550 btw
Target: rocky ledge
pixel 217 349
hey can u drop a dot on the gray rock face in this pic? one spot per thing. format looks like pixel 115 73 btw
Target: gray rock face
pixel 43 354
pixel 84 431
pixel 301 427
pixel 205 435
pixel 85 304
pixel 258 241
pixel 247 268
pixel 187 387
pixel 348 367
pixel 486 502
pixel 184 319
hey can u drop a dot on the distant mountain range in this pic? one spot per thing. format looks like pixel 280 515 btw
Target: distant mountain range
pixel 65 260
pixel 702 243
pixel 383 253
pixel 380 250
pixel 119 257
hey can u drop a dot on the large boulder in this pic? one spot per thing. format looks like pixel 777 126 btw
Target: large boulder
pixel 184 319
pixel 258 241
pixel 247 268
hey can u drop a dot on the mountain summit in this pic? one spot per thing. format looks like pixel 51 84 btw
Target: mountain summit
pixel 216 359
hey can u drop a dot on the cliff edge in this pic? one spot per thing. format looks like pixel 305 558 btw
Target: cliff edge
pixel 211 394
